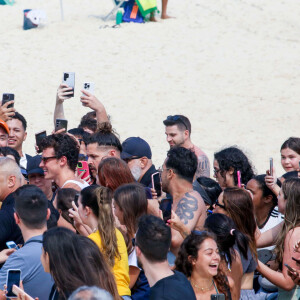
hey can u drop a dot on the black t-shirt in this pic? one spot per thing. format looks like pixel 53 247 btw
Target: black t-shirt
pixel 146 179
pixel 174 287
pixel 9 230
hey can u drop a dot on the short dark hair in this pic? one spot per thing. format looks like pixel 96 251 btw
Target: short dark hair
pixel 183 161
pixel 233 157
pixel 89 121
pixel 182 122
pixel 63 145
pixel 292 143
pixel 19 117
pixel 105 136
pixel 31 205
pixel 153 238
pixel 10 151
pixel 79 132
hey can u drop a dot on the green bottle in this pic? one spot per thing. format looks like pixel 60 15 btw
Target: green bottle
pixel 119 17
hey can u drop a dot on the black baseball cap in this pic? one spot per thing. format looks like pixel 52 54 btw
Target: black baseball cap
pixel 135 147
pixel 33 165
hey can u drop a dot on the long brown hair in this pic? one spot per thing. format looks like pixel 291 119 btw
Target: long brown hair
pixel 132 201
pixel 239 207
pixel 113 172
pixel 291 192
pixel 99 199
pixel 75 261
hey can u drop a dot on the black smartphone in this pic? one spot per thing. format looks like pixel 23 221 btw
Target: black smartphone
pixel 271 166
pixel 217 297
pixel 6 98
pixel 69 80
pixel 13 278
pixel 156 183
pixel 166 207
pixel 76 197
pixel 60 124
pixel 39 137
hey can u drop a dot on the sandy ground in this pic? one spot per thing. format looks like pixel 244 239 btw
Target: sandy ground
pixel 232 67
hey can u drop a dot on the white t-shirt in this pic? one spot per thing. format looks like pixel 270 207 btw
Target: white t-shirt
pixel 132 259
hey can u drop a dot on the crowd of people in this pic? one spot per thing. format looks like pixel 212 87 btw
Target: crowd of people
pixel 90 222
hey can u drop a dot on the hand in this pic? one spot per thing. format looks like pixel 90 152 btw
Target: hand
pixel 91 101
pixel 175 222
pixel 4 254
pixel 63 130
pixel 7 113
pixel 63 93
pixel 271 181
pixel 294 275
pixel 154 195
pixel 87 179
pixel 73 213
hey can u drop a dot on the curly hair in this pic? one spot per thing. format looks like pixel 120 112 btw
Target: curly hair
pixel 291 192
pixel 234 158
pixel 189 249
pixel 63 145
pixel 183 161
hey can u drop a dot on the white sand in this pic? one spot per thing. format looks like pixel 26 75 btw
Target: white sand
pixel 232 67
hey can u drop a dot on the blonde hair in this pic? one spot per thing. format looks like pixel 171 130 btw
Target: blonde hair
pixel 291 192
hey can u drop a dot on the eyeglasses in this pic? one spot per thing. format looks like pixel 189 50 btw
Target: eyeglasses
pixel 220 205
pixel 161 169
pixel 177 118
pixel 45 159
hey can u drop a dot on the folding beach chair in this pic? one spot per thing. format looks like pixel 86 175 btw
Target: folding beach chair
pixel 117 5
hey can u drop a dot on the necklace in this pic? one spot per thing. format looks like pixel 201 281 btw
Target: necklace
pixel 202 289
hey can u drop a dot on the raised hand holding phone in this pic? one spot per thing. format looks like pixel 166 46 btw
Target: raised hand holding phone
pixel 63 92
pixel 13 278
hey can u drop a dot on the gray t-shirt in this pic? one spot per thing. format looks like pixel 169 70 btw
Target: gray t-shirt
pixel 36 282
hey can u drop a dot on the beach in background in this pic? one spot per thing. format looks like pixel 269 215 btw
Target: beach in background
pixel 232 67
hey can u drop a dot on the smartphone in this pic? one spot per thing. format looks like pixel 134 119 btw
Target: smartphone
pixel 83 167
pixel 6 98
pixel 166 207
pixel 217 297
pixel 19 292
pixel 290 268
pixel 12 245
pixel 239 178
pixel 90 87
pixel 76 197
pixel 60 124
pixel 69 80
pixel 13 277
pixel 39 137
pixel 271 166
pixel 156 183
pixel 296 260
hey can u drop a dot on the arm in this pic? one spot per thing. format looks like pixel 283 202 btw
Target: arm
pixel 203 168
pixel 93 103
pixel 282 280
pixel 134 273
pixel 268 237
pixel 192 212
pixel 175 223
pixel 62 94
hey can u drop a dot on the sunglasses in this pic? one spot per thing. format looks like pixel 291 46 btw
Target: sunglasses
pixel 177 118
pixel 45 159
pixel 220 205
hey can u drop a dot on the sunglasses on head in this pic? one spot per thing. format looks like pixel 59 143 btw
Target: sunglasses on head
pixel 177 118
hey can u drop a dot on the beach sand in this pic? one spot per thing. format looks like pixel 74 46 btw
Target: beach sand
pixel 232 67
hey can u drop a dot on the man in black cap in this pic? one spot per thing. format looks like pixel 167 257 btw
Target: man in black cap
pixel 137 153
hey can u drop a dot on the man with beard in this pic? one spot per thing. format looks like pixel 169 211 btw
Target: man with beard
pixel 177 179
pixel 104 143
pixel 137 154
pixel 178 132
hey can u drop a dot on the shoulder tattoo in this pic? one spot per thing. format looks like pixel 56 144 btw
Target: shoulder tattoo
pixel 203 166
pixel 186 208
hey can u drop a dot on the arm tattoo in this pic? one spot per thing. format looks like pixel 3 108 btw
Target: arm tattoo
pixel 186 208
pixel 203 166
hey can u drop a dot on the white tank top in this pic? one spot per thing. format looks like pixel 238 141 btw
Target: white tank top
pixel 80 184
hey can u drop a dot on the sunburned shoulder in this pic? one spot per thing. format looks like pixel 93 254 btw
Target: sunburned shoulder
pixel 198 151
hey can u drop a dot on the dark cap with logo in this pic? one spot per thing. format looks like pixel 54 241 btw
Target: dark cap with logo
pixel 33 165
pixel 135 147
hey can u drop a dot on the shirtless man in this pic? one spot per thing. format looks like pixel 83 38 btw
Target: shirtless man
pixel 178 132
pixel 177 179
pixel 59 161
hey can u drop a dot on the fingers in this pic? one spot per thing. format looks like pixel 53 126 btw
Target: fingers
pixel 85 93
pixel 59 131
pixel 74 206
